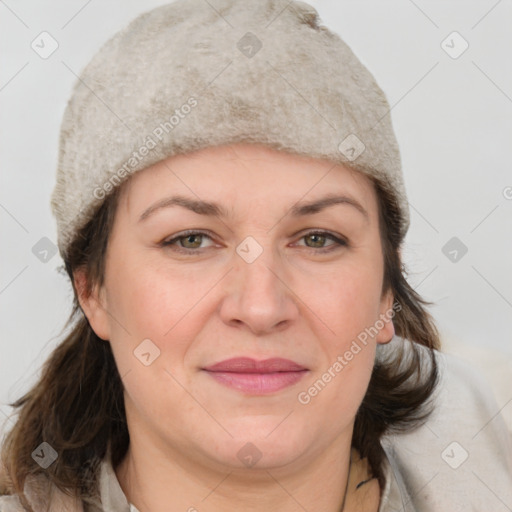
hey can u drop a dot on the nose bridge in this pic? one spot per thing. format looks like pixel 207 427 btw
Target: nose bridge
pixel 258 297
pixel 260 274
pixel 257 268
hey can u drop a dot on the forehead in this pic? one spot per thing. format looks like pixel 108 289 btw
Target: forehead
pixel 246 176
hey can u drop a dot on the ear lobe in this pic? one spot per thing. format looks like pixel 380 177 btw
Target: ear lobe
pixel 92 304
pixel 387 313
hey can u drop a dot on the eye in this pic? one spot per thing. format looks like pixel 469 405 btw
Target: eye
pixel 187 241
pixel 318 239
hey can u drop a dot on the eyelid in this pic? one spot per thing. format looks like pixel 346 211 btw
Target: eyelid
pixel 339 240
pixel 183 234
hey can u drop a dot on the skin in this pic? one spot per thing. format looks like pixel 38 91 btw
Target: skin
pixel 294 301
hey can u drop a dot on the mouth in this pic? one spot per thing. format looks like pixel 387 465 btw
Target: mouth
pixel 256 377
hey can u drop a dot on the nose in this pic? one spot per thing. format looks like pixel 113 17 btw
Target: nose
pixel 259 295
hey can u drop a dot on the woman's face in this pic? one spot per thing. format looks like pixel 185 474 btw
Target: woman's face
pixel 275 269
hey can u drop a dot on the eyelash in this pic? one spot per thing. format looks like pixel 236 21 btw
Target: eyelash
pixel 339 242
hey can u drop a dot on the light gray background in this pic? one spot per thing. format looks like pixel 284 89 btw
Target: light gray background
pixel 453 120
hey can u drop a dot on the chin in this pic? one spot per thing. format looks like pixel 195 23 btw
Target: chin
pixel 262 443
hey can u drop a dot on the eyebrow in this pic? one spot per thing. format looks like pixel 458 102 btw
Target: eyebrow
pixel 216 210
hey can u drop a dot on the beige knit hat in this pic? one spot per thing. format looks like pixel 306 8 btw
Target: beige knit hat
pixel 193 74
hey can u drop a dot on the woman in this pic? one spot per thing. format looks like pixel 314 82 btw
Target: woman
pixel 230 211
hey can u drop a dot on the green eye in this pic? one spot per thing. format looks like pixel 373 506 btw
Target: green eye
pixel 187 241
pixel 319 238
pixel 191 242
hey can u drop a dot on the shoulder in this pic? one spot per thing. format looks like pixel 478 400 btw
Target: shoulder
pixel 36 492
pixel 10 504
pixel 462 456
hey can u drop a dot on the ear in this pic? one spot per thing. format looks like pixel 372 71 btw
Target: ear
pixel 386 314
pixel 92 304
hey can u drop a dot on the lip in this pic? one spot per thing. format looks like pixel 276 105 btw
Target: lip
pixel 257 377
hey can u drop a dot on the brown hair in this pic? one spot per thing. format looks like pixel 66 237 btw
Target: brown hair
pixel 78 405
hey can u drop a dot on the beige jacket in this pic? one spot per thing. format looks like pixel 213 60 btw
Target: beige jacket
pixel 460 460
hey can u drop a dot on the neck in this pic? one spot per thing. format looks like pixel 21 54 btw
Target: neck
pixel 160 478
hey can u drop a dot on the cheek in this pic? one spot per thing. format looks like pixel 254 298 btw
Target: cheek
pixel 348 304
pixel 347 301
pixel 150 305
pixel 143 305
pixel 149 300
pixel 336 389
